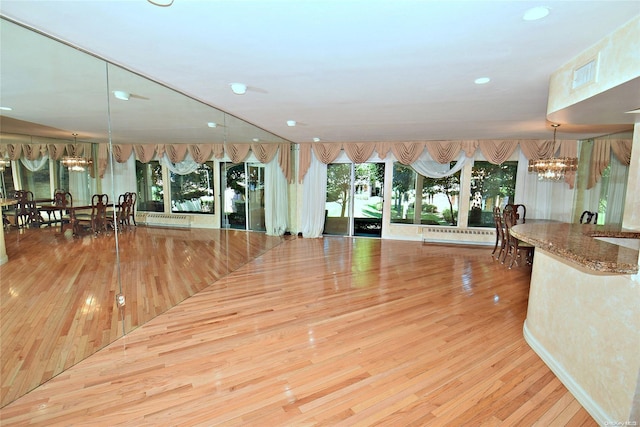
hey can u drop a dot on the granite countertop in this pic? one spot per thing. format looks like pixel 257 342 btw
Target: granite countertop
pixel 577 244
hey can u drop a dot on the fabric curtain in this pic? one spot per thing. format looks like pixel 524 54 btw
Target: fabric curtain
pixel 616 191
pixel 326 152
pixel 426 166
pixel 304 161
pixel 122 152
pixel 33 151
pixel 237 152
pixel 407 152
pixel 537 149
pixel 599 160
pixel 145 152
pixel 276 198
pixel 543 199
pixel 120 180
pixel 185 167
pixel 200 153
pixel 622 150
pixel 443 151
pixel 359 152
pixel 36 164
pixel 497 151
pixel 56 151
pixel 314 198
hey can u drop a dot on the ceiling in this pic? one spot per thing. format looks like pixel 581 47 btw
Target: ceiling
pixel 344 70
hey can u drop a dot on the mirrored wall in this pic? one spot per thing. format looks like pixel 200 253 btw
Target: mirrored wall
pixel 53 94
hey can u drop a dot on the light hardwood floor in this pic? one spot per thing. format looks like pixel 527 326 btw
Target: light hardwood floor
pixel 58 302
pixel 333 331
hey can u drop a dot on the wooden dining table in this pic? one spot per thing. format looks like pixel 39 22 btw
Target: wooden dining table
pixel 72 212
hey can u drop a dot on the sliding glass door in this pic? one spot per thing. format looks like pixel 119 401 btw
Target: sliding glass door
pixel 354 199
pixel 243 196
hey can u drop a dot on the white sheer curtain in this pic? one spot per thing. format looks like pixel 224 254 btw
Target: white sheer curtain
pixel 185 167
pixel 276 199
pixel 617 188
pixel 314 199
pixel 122 180
pixel 35 165
pixel 543 199
pixel 426 166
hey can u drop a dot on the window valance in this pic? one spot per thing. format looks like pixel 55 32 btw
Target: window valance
pixel 495 151
pixel 32 148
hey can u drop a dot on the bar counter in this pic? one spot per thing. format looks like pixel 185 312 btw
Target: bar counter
pixel 583 316
pixel 577 243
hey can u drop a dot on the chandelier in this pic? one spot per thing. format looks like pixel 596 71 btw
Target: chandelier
pixel 4 163
pixel 76 163
pixel 555 168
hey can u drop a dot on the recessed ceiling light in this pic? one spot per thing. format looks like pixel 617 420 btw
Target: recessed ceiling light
pixel 316 139
pixel 256 139
pixel 161 3
pixel 535 13
pixel 121 94
pixel 238 88
pixel 291 123
pixel 482 80
pixel 212 125
pixel 6 108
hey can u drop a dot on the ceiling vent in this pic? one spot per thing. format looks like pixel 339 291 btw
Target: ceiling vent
pixel 587 73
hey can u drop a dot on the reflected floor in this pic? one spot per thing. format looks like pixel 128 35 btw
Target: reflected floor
pixel 58 293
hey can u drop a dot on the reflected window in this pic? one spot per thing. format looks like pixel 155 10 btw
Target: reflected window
pixel 149 185
pixel 193 192
pixel 418 199
pixel 7 182
pixel 35 178
pixel 491 186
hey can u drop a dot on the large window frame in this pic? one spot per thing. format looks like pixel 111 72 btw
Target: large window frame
pixel 437 199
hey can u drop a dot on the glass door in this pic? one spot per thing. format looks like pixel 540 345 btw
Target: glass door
pixel 368 189
pixel 233 180
pixel 354 199
pixel 243 196
pixel 255 197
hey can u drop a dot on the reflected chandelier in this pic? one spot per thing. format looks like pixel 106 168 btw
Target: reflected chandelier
pixel 76 163
pixel 4 163
pixel 555 168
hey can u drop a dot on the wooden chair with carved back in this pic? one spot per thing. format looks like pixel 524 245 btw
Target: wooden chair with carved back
pixel 514 247
pixel 589 217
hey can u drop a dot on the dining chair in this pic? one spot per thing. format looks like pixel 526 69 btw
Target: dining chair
pixel 587 217
pixel 500 240
pixel 520 210
pixel 514 247
pixel 96 221
pixel 132 209
pixel 24 212
pixel 61 199
pixel 123 210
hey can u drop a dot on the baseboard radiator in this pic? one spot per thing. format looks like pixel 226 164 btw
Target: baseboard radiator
pixel 471 236
pixel 155 219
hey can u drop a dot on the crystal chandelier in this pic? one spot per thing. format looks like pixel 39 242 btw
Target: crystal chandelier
pixel 76 163
pixel 4 163
pixel 555 168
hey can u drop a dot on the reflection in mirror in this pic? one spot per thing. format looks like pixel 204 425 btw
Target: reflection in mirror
pixel 51 318
pixel 62 286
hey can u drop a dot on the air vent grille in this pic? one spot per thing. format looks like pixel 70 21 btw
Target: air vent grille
pixel 585 74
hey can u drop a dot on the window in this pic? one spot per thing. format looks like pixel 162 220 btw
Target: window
pixel 491 185
pixel 149 184
pixel 38 182
pixel 193 192
pixel 7 182
pixel 417 199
